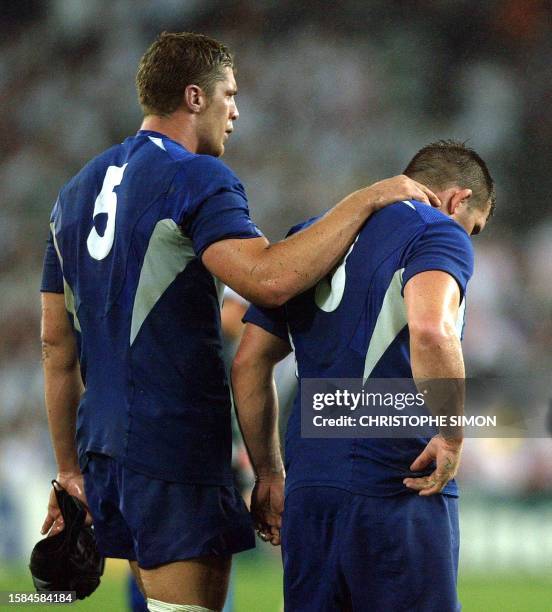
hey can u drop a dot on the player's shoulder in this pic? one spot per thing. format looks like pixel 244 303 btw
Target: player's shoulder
pixel 444 240
pixel 193 172
pixel 428 218
pixel 441 227
pixel 430 215
pixel 93 169
pixel 404 213
pixel 204 175
pixel 169 152
pixel 210 168
pixel 410 210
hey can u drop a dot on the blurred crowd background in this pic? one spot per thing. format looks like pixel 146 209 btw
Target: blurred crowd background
pixel 332 96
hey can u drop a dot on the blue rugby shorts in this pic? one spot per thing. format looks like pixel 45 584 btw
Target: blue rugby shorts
pixel 154 522
pixel 343 551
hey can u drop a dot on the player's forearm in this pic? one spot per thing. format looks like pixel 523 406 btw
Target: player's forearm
pixel 436 352
pixel 257 411
pixel 63 389
pixel 295 264
pixel 270 275
pixel 438 370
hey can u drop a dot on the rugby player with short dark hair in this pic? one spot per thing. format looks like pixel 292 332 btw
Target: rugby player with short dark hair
pixel 142 240
pixel 354 534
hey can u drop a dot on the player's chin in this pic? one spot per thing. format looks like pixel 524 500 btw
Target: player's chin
pixel 213 149
pixel 217 151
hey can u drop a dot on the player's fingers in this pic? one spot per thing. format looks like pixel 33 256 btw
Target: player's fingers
pixel 421 461
pixel 430 197
pixel 57 527
pixel 273 519
pixel 419 195
pixel 416 484
pixel 48 522
pixel 51 517
pixel 262 521
pixel 432 484
pixel 432 491
pixel 419 484
pixel 275 536
pixel 257 525
pixel 264 536
pixel 263 530
pixel 436 488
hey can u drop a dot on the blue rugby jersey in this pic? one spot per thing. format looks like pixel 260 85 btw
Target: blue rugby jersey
pixel 127 235
pixel 353 325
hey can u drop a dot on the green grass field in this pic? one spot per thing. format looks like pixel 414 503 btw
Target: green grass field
pixel 258 588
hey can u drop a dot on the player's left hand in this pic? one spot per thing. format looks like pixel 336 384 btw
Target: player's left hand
pixel 446 453
pixel 73 483
pixel 267 505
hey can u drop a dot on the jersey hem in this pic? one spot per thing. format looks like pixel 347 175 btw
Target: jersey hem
pixel 360 490
pixel 229 236
pixel 50 290
pixel 224 481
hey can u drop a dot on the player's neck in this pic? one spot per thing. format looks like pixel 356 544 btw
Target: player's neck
pixel 177 128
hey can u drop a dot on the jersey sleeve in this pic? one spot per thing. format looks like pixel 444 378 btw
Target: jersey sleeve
pixel 217 208
pixel 272 320
pixel 444 246
pixel 52 275
pixel 303 225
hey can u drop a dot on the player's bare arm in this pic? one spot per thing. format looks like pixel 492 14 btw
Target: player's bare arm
pixel 432 299
pixel 271 274
pixel 63 388
pixel 257 411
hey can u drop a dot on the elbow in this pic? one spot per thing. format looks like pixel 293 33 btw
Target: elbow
pixel 432 334
pixel 250 368
pixel 271 295
pixel 58 354
pixel 273 283
pixel 241 364
pixel 55 334
pixel 48 346
pixel 50 342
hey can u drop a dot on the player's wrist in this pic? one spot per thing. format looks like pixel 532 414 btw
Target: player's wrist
pixel 270 474
pixel 360 204
pixel 370 199
pixel 68 472
pixel 453 441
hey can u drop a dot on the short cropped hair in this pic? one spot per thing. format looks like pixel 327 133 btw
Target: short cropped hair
pixel 445 163
pixel 174 61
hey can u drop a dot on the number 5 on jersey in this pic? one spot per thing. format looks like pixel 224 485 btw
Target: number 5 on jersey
pixel 99 247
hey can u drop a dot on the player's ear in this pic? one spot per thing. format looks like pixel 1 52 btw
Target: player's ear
pixel 194 98
pixel 459 197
